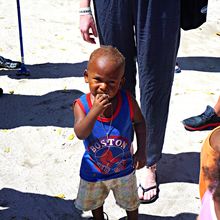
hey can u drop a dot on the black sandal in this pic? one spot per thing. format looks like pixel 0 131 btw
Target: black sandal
pixel 153 198
pixel 156 196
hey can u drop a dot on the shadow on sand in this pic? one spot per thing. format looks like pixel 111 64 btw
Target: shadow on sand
pixel 50 71
pixel 203 64
pixel 182 167
pixel 63 70
pixel 30 206
pixel 51 109
pixel 16 205
pixel 181 216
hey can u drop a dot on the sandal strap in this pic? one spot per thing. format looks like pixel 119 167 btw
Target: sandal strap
pixel 106 216
pixel 149 188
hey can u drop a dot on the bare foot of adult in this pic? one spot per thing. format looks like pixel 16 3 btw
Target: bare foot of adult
pixel 148 189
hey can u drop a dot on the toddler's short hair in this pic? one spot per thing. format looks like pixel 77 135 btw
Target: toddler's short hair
pixel 112 53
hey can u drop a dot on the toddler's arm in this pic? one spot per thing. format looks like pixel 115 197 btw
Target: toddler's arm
pixel 83 124
pixel 140 131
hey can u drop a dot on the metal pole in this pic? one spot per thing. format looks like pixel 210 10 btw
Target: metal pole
pixel 23 70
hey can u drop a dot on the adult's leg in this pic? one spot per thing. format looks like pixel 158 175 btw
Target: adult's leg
pixel 158 33
pixel 114 20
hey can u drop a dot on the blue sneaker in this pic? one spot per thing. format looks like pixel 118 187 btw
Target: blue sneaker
pixel 206 121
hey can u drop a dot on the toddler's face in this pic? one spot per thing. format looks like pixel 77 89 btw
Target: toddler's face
pixel 104 78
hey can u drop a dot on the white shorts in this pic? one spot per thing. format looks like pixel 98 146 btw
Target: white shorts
pixel 91 195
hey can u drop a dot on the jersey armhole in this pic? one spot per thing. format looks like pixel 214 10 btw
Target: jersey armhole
pixel 78 101
pixel 130 105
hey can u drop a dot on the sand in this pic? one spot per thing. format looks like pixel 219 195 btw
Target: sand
pixel 39 154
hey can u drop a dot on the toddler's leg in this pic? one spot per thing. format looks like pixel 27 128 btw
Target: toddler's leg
pixel 132 215
pixel 98 213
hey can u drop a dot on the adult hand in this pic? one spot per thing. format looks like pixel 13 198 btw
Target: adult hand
pixel 88 28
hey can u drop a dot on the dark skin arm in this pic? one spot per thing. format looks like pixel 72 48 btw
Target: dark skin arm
pixel 84 124
pixel 140 131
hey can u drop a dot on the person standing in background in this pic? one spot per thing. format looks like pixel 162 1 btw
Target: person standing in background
pixel 146 31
